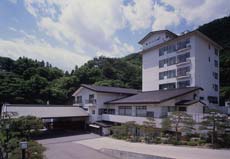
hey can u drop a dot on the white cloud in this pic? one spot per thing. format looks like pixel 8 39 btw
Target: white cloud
pixel 90 27
pixel 12 29
pixel 31 47
pixel 164 18
pixel 139 14
pixel 87 25
pixel 13 1
pixel 198 12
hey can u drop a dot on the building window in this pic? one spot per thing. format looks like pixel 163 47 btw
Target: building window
pixel 168 74
pixel 183 84
pixel 150 114
pixel 183 57
pixel 93 111
pixel 182 109
pixel 201 98
pixel 216 52
pixel 183 44
pixel 171 73
pixel 141 111
pixel 167 86
pixel 183 71
pixel 171 48
pixel 171 61
pixel 215 75
pixel 125 110
pixel 215 87
pixel 213 99
pixel 161 75
pixel 161 63
pixel 216 63
pixel 106 111
pixel 79 99
pixel 162 51
pixel 171 109
pixel 209 59
pixel 91 96
pixel 194 96
pixel 91 99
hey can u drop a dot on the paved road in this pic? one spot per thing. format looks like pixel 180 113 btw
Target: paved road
pixel 65 148
pixel 177 152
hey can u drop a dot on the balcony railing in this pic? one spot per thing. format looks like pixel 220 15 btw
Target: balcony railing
pixel 124 119
pixel 197 117
pixel 188 61
pixel 187 75
pixel 188 46
pixel 78 103
pixel 90 102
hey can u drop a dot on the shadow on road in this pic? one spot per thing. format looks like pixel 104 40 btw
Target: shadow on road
pixel 49 134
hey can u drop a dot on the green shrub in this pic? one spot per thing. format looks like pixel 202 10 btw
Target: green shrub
pixel 34 151
pixel 157 140
pixel 176 142
pixel 193 143
pixel 184 142
pixel 201 142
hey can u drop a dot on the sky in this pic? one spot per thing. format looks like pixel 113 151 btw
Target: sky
pixel 67 33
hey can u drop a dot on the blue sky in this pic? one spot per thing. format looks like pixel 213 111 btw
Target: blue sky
pixel 70 32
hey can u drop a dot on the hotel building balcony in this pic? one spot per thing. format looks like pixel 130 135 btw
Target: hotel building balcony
pixel 124 119
pixel 90 102
pixel 197 117
pixel 188 61
pixel 187 75
pixel 78 104
pixel 187 47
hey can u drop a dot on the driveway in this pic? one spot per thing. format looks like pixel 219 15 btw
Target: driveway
pixel 65 148
pixel 178 152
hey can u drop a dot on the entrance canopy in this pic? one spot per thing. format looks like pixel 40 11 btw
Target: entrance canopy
pixel 44 111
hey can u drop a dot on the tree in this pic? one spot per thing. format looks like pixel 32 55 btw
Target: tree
pixel 215 123
pixel 149 128
pixel 179 122
pixel 26 125
pixel 19 129
pixel 132 128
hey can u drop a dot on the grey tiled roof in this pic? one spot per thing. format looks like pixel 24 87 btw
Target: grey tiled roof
pixel 45 111
pixel 106 89
pixel 188 102
pixel 154 96
pixel 153 32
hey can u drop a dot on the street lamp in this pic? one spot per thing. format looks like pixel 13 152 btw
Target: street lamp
pixel 23 146
pixel 7 127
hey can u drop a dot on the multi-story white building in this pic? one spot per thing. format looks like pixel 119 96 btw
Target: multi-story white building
pixel 189 60
pixel 107 105
pixel 180 73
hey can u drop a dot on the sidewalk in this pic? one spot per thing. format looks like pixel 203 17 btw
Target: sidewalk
pixel 177 152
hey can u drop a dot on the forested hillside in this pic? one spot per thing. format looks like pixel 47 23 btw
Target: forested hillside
pixel 30 81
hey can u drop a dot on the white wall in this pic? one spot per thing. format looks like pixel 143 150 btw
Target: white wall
pixel 154 40
pixel 195 108
pixel 204 69
pixel 124 119
pixel 101 98
pixel 150 66
pixel 201 69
